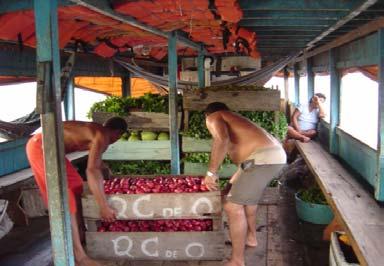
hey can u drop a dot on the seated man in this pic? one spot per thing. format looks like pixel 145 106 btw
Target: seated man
pixel 80 136
pixel 305 118
pixel 259 156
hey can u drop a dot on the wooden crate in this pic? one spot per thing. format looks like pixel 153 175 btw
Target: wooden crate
pixel 139 150
pixel 13 156
pixel 226 170
pixel 207 245
pixel 140 120
pixel 263 100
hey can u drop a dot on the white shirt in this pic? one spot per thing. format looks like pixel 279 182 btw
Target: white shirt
pixel 307 120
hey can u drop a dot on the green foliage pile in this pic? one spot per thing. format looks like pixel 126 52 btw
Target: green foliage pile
pixel 122 105
pixel 139 167
pixel 265 119
pixel 201 157
pixel 312 195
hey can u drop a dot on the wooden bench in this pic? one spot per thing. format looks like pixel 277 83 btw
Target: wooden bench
pixel 361 216
pixel 25 175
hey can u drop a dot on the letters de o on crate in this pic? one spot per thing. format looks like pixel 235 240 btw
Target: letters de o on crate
pixel 203 245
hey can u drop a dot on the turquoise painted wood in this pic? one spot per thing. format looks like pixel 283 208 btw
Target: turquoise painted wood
pixel 379 186
pixel 48 65
pixel 310 79
pixel 200 69
pixel 298 5
pixel 172 76
pixel 69 101
pixel 195 145
pixel 12 156
pixel 226 170
pixel 334 102
pixel 359 156
pixel 11 6
pixel 297 83
pixel 139 150
pixel 314 22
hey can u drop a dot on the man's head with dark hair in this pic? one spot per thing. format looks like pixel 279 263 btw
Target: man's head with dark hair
pixel 320 95
pixel 214 107
pixel 116 123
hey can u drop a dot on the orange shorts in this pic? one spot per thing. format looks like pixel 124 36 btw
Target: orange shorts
pixel 36 160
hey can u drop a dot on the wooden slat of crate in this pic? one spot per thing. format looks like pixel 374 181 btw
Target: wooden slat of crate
pixel 93 224
pixel 226 170
pixel 156 245
pixel 140 120
pixel 157 205
pixel 268 100
pixel 139 150
pixel 195 145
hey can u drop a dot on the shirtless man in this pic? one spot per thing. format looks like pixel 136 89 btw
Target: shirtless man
pixel 305 117
pixel 80 136
pixel 259 157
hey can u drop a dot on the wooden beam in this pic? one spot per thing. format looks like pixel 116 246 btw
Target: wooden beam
pixel 335 103
pixel 126 85
pixel 296 76
pixel 69 100
pixel 12 6
pixel 342 21
pixel 48 104
pixel 298 5
pixel 103 7
pixel 310 79
pixel 201 69
pixel 350 36
pixel 280 22
pixel 379 188
pixel 172 77
pixel 294 14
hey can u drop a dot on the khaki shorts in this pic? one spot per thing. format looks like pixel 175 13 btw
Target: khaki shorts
pixel 254 177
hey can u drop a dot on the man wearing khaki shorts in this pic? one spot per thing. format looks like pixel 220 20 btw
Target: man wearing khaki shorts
pixel 260 158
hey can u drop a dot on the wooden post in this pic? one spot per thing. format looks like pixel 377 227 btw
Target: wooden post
pixel 297 83
pixel 172 73
pixel 379 188
pixel 126 85
pixel 335 103
pixel 69 100
pixel 286 93
pixel 200 68
pixel 310 78
pixel 49 106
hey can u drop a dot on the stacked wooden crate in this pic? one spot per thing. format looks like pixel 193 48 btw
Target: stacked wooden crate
pixel 202 245
pixel 240 100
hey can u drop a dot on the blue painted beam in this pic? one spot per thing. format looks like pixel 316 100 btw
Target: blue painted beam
pixel 69 100
pixel 296 77
pixel 286 22
pixel 294 14
pixel 126 85
pixel 200 69
pixel 12 6
pixel 172 76
pixel 310 78
pixel 49 105
pixel 379 187
pixel 334 103
pixel 311 5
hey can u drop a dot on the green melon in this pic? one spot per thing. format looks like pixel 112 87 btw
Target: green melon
pixel 163 136
pixel 148 135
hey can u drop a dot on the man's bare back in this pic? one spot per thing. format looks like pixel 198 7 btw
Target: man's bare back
pixel 245 137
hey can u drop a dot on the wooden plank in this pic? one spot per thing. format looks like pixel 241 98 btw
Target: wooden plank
pixel 271 196
pixel 360 214
pixel 266 100
pixel 158 205
pixel 195 145
pixel 140 120
pixel 226 170
pixel 156 245
pixel 139 150
pixel 274 245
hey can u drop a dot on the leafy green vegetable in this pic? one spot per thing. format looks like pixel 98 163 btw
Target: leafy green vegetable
pixel 139 167
pixel 197 128
pixel 121 105
pixel 202 157
pixel 312 195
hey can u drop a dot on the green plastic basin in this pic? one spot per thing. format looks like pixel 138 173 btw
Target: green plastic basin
pixel 312 212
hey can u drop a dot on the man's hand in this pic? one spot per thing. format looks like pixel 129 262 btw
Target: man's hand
pixel 211 182
pixel 108 214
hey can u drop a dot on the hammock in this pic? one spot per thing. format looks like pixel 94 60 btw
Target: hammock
pixel 258 77
pixel 21 127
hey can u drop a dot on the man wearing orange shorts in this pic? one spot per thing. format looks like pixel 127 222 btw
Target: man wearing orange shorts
pixel 80 136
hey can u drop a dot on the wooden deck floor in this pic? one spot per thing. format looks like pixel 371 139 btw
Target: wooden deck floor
pixel 283 240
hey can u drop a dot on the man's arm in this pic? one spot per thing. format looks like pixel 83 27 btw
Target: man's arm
pixel 95 179
pixel 294 118
pixel 220 141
